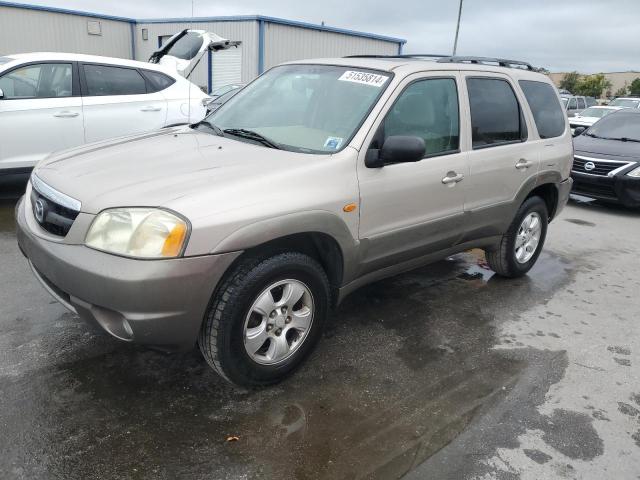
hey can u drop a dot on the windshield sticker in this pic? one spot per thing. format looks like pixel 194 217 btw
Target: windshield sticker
pixel 364 78
pixel 333 143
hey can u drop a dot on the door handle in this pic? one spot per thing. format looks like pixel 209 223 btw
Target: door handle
pixel 66 114
pixel 150 109
pixel 523 164
pixel 452 178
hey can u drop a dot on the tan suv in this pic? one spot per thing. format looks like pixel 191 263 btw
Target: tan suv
pixel 241 232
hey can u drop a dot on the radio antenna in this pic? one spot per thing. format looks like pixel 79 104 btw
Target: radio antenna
pixel 189 84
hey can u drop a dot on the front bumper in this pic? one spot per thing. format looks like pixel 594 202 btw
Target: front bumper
pixel 155 302
pixel 620 188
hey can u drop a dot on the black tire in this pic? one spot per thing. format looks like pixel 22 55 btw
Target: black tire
pixel 221 338
pixel 502 259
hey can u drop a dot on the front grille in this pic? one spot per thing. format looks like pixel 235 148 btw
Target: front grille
pixel 598 190
pixel 600 167
pixel 53 217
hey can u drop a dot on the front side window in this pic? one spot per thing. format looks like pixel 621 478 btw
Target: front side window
pixel 43 80
pixel 496 117
pixel 547 112
pixel 427 109
pixel 305 108
pixel 108 80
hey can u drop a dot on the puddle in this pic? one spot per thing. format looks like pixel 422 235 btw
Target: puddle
pixel 406 364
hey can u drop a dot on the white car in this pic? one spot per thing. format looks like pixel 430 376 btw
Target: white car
pixel 55 101
pixel 591 115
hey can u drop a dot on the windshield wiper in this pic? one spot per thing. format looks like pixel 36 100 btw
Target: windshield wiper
pixel 251 135
pixel 591 135
pixel 218 131
pixel 623 139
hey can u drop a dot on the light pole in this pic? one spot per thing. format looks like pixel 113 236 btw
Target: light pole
pixel 455 43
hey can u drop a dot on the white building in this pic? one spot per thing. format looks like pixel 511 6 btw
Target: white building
pixel 266 41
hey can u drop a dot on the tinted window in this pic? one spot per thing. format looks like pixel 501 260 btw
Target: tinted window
pixel 547 112
pixel 427 109
pixel 107 80
pixel 581 104
pixel 617 126
pixel 186 47
pixel 159 81
pixel 495 113
pixel 44 80
pixel 572 104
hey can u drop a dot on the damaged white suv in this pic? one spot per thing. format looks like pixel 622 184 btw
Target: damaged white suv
pixel 54 101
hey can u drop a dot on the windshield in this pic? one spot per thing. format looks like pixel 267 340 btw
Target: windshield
pixel 620 125
pixel 305 108
pixel 596 112
pixel 624 102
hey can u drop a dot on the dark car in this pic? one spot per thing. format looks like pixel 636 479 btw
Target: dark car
pixel 606 162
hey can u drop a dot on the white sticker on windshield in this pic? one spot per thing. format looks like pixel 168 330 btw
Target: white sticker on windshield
pixel 333 143
pixel 365 78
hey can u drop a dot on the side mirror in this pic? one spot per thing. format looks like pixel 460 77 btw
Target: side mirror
pixel 396 149
pixel 1 94
pixel 579 131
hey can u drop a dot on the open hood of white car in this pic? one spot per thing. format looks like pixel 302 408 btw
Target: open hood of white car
pixel 183 51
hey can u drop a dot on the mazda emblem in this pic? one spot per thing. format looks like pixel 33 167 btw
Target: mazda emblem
pixel 38 210
pixel 589 166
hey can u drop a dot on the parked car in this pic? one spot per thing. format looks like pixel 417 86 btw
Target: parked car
pixel 55 101
pixel 629 102
pixel 574 104
pixel 215 103
pixel 240 232
pixel 589 116
pixel 606 164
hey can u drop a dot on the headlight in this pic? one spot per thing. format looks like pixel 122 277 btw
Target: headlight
pixel 138 232
pixel 635 172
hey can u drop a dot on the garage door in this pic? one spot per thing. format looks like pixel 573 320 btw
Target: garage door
pixel 226 67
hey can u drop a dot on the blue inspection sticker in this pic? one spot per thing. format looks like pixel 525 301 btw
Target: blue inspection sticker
pixel 333 143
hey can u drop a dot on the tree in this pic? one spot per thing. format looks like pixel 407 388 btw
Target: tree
pixel 569 81
pixel 622 91
pixel 635 87
pixel 592 85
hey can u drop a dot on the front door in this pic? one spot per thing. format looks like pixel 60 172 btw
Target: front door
pixel 40 113
pixel 411 209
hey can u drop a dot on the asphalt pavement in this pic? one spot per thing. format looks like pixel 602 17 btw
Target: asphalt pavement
pixel 447 372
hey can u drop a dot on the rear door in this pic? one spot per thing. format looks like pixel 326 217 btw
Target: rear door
pixel 119 101
pixel 40 112
pixel 502 159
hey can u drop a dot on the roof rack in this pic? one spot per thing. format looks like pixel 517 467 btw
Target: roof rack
pixel 502 62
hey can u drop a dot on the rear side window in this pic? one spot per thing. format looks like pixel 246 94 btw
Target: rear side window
pixel 158 81
pixel 572 104
pixel 547 112
pixel 496 117
pixel 108 80
pixel 581 104
pixel 427 109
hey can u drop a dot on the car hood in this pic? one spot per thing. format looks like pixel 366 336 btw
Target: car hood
pixel 161 168
pixel 607 149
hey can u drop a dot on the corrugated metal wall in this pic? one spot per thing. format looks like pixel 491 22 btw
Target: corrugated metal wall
pixel 23 30
pixel 284 43
pixel 246 32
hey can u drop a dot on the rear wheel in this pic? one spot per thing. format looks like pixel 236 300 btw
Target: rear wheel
pixel 521 245
pixel 265 318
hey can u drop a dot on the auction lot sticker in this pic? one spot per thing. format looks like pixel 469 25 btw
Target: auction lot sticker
pixel 365 78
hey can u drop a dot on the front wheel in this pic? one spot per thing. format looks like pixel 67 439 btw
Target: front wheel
pixel 265 318
pixel 521 245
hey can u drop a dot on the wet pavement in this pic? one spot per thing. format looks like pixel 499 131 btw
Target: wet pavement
pixel 446 372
